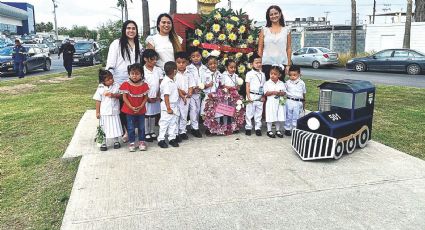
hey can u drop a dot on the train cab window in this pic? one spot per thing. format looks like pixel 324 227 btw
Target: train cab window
pixel 360 100
pixel 342 100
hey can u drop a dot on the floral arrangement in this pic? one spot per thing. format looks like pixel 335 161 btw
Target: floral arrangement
pixel 231 98
pixel 227 34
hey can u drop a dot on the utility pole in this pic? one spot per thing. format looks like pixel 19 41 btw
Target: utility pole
pixel 374 11
pixel 326 17
pixel 56 22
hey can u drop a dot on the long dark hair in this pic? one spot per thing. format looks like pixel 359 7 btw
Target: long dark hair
pixel 172 35
pixel 281 20
pixel 124 42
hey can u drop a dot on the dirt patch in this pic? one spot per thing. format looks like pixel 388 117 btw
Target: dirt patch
pixel 56 80
pixel 17 89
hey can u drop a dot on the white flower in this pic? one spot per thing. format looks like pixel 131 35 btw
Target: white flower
pixel 238 107
pixel 201 86
pixel 225 90
pixel 215 53
pixel 240 81
pixel 239 102
pixel 238 55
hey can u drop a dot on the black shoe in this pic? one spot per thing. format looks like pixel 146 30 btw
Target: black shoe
pixel 248 132
pixel 184 136
pixel 103 147
pixel 196 133
pixel 288 133
pixel 271 134
pixel 236 131
pixel 173 143
pixel 279 134
pixel 258 132
pixel 117 145
pixel 208 133
pixel 178 139
pixel 148 138
pixel 162 144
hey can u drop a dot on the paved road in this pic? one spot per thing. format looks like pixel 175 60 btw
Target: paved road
pixel 399 79
pixel 57 66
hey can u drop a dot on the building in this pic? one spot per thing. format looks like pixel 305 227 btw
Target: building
pixel 17 18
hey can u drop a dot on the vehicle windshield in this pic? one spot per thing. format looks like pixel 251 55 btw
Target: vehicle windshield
pixel 83 46
pixel 325 50
pixel 7 51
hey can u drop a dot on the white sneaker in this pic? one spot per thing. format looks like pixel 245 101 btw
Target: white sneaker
pixel 142 146
pixel 132 148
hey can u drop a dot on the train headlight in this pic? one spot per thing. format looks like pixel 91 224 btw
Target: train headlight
pixel 313 123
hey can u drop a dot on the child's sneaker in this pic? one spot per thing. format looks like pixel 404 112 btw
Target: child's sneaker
pixel 162 144
pixel 248 132
pixel 131 147
pixel 142 146
pixel 258 132
pixel 184 136
pixel 196 133
pixel 174 143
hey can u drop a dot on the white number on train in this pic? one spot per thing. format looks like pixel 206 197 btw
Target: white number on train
pixel 334 117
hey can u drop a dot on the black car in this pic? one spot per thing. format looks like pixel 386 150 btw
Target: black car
pixel 36 59
pixel 398 60
pixel 86 53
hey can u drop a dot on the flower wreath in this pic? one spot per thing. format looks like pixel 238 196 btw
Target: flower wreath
pixel 231 98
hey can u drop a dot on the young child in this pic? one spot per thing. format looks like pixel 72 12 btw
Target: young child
pixel 169 107
pixel 295 93
pixel 230 77
pixel 255 80
pixel 211 80
pixel 275 112
pixel 197 69
pixel 135 92
pixel 108 108
pixel 153 76
pixel 185 84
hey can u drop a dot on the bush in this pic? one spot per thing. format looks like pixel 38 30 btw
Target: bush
pixel 108 32
pixel 344 57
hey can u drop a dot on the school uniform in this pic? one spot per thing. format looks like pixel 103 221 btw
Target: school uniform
pixel 256 80
pixel 184 81
pixel 274 111
pixel 208 77
pixel 109 110
pixel 195 100
pixel 152 78
pixel 168 122
pixel 230 80
pixel 294 103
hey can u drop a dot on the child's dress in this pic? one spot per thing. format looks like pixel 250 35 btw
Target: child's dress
pixel 275 112
pixel 109 110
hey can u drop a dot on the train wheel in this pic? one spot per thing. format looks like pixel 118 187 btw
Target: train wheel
pixel 350 146
pixel 339 149
pixel 363 138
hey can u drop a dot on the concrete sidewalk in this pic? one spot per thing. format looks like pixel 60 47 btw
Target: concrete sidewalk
pixel 240 182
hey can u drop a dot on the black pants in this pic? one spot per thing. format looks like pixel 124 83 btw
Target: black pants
pixel 67 63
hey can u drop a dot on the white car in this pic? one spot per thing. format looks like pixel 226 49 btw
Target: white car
pixel 315 57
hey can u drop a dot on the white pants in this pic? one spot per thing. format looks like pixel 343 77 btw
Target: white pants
pixel 253 110
pixel 293 110
pixel 194 110
pixel 168 124
pixel 182 122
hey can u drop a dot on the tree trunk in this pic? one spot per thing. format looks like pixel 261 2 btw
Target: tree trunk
pixel 420 11
pixel 125 10
pixel 353 49
pixel 146 23
pixel 173 7
pixel 408 25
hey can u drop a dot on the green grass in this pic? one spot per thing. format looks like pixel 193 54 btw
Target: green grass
pixel 37 125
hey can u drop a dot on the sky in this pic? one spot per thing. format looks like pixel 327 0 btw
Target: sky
pixel 93 13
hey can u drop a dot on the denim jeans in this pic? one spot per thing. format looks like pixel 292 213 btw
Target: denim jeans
pixel 132 121
pixel 18 67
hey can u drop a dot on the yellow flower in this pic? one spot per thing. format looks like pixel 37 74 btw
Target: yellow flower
pixel 241 68
pixel 223 62
pixel 209 36
pixel 242 29
pixel 229 26
pixel 234 18
pixel 205 53
pixel 250 39
pixel 238 55
pixel 198 32
pixel 243 46
pixel 222 37
pixel 216 28
pixel 232 37
pixel 217 16
pixel 195 42
pixel 249 54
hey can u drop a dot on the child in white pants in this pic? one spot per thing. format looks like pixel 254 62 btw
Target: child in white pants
pixel 295 103
pixel 255 80
pixel 169 108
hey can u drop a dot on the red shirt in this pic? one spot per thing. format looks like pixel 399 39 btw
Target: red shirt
pixel 135 95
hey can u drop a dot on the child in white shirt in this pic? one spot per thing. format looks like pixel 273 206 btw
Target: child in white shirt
pixel 295 94
pixel 274 91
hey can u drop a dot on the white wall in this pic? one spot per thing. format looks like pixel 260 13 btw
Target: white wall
pixel 385 36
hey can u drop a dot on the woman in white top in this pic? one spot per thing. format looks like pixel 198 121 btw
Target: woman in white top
pixel 274 44
pixel 166 43
pixel 123 52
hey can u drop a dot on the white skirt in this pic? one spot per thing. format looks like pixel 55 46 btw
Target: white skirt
pixel 153 108
pixel 111 125
pixel 274 111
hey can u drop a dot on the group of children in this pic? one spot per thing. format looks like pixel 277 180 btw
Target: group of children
pixel 175 94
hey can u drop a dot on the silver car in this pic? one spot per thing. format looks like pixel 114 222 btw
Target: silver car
pixel 315 57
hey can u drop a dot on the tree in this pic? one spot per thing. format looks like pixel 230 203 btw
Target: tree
pixel 123 4
pixel 353 49
pixel 173 7
pixel 146 23
pixel 419 10
pixel 408 25
pixel 43 27
pixel 63 30
pixel 108 32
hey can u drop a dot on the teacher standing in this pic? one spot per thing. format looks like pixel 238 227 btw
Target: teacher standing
pixel 274 43
pixel 166 43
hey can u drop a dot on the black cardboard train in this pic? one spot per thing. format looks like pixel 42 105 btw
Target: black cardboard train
pixel 343 122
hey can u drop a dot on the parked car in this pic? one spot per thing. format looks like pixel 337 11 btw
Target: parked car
pixel 44 48
pixel 398 60
pixel 315 57
pixel 36 59
pixel 86 53
pixel 53 48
